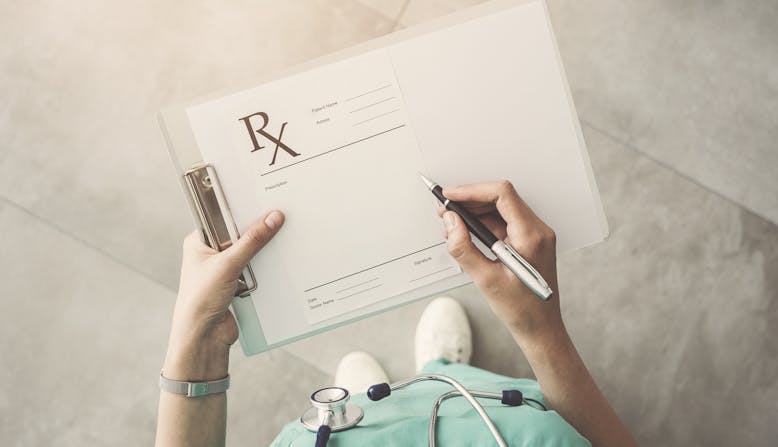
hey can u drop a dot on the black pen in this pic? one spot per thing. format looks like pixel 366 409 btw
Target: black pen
pixel 504 252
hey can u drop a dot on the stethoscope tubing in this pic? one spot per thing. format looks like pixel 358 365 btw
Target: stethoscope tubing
pixel 446 396
pixel 324 431
pixel 463 392
pixel 455 393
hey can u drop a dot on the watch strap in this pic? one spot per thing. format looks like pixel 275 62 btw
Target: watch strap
pixel 193 389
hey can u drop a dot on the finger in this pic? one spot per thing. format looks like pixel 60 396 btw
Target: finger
pixel 194 246
pixel 253 239
pixel 502 194
pixel 192 241
pixel 462 249
pixel 474 208
pixel 493 221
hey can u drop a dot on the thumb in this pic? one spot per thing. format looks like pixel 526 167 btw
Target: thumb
pixel 462 249
pixel 253 239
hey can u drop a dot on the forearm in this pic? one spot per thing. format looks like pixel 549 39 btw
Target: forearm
pixel 192 422
pixel 198 421
pixel 570 390
pixel 202 332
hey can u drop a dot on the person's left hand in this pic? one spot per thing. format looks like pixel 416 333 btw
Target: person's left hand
pixel 203 328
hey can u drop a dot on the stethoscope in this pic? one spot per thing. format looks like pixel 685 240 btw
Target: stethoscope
pixel 330 411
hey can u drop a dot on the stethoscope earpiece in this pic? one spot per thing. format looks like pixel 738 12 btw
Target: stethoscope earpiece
pixel 378 391
pixel 512 398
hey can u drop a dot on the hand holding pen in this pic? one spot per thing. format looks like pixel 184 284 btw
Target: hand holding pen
pixel 499 208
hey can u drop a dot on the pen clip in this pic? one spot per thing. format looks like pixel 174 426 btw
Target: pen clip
pixel 528 266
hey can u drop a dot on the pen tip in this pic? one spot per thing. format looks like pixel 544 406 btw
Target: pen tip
pixel 430 184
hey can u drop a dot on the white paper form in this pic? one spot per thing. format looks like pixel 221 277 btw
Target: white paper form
pixel 508 98
pixel 334 150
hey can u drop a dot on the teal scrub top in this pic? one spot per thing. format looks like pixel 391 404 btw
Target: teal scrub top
pixel 402 419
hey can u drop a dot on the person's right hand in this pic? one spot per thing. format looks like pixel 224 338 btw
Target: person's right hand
pixel 501 209
pixel 536 325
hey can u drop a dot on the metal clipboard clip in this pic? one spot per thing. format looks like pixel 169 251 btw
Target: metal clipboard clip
pixel 217 226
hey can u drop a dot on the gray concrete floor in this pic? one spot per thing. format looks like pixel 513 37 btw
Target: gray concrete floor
pixel 675 313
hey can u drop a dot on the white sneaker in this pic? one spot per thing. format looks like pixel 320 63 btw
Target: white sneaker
pixel 443 332
pixel 357 371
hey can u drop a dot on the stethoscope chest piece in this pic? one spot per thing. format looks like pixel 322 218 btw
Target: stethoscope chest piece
pixel 330 406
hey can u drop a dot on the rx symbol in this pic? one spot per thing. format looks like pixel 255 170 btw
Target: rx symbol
pixel 261 131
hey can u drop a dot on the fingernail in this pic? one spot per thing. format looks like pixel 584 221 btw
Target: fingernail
pixel 449 220
pixel 273 220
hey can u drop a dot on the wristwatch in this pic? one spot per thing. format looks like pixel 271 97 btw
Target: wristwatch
pixel 193 389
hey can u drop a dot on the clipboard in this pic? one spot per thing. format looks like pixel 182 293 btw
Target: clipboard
pixel 211 209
